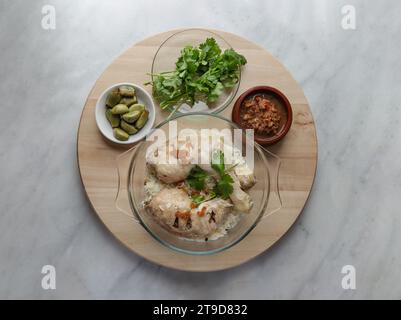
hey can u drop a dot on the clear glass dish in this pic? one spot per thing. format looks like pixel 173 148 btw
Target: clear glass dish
pixel 167 55
pixel 132 173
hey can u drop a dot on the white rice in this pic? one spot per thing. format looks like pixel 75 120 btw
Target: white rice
pixel 230 222
pixel 152 186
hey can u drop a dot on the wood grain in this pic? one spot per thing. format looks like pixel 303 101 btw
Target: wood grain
pixel 96 158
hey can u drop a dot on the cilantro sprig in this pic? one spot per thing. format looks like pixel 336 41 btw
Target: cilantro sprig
pixel 224 186
pixel 201 74
pixel 197 178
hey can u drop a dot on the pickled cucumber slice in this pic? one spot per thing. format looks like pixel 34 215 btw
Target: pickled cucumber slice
pixel 127 91
pixel 113 98
pixel 119 109
pixel 129 128
pixel 128 101
pixel 136 107
pixel 113 119
pixel 131 117
pixel 142 119
pixel 120 134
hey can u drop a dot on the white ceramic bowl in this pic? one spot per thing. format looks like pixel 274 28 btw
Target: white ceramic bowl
pixel 104 125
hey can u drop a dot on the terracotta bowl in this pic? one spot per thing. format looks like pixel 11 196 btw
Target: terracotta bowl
pixel 280 97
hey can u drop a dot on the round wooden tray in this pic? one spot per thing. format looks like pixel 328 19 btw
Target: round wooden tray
pixel 298 151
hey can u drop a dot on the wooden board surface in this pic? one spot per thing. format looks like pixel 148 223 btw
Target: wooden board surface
pixel 97 158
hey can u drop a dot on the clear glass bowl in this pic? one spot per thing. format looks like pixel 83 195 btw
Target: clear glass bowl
pixel 131 194
pixel 167 55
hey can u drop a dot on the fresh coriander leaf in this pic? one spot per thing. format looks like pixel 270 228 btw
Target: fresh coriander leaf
pixel 196 178
pixel 224 186
pixel 216 92
pixel 201 74
pixel 210 50
pixel 217 162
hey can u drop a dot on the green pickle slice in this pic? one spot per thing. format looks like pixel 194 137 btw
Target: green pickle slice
pixel 142 119
pixel 120 134
pixel 129 128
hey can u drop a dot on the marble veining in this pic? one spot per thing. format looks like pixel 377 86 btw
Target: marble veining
pixel 350 77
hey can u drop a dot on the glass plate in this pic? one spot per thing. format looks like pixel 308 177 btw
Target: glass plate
pixel 167 55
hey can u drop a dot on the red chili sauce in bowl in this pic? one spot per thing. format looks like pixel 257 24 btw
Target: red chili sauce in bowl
pixel 265 110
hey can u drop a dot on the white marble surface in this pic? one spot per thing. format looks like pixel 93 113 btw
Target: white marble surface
pixel 351 78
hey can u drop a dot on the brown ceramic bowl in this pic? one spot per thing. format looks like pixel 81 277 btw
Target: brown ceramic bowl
pixel 279 99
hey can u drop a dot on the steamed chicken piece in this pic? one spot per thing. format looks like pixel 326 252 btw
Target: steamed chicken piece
pixel 241 200
pixel 245 176
pixel 208 216
pixel 172 208
pixel 171 172
pixel 167 204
